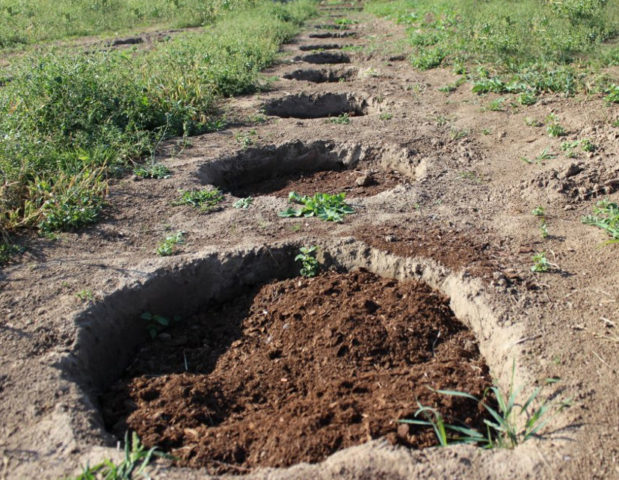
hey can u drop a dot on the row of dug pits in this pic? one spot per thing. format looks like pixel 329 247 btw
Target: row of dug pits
pixel 262 368
pixel 311 167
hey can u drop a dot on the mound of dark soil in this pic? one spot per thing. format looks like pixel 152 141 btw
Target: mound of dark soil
pixel 297 370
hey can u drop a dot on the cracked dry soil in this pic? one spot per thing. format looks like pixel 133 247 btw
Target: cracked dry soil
pixel 457 196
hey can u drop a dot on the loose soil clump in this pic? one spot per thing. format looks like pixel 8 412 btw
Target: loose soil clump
pixel 298 369
pixel 305 105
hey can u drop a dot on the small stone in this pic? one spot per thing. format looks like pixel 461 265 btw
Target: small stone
pixel 364 180
pixel 391 238
pixel 403 430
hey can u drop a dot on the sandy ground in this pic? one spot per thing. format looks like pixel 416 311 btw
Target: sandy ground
pixel 69 309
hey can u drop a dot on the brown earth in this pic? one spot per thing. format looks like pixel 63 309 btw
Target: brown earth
pixel 463 215
pixel 298 370
pixel 354 183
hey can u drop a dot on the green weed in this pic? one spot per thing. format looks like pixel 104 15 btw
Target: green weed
pixel 605 216
pixel 613 94
pixel 86 295
pixel 243 203
pixel 155 324
pixel 385 116
pixel 543 228
pixel 458 133
pixel 342 119
pixel 539 211
pixel 496 105
pixel 153 170
pixel 168 246
pixel 322 205
pixel 309 264
pixel 206 199
pixel 509 424
pixel 527 98
pixel 540 263
pixel 133 465
pixel 553 128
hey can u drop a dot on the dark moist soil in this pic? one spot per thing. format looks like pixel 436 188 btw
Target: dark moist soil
pixel 354 182
pixel 299 369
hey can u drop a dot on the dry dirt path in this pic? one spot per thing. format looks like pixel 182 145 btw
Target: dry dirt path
pixel 459 218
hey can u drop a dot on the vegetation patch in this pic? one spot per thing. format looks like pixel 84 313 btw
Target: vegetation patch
pixel 605 216
pixel 530 46
pixel 70 120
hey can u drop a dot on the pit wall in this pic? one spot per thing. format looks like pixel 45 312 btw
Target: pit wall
pixel 110 332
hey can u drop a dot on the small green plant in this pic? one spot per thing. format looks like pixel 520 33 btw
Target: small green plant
pixel 508 425
pixel 137 458
pixel 496 105
pixel 605 216
pixel 539 211
pixel 486 131
pixel 452 87
pixel 245 139
pixel 342 119
pixel 206 199
pixel 613 94
pixel 568 147
pixel 86 295
pixel 330 208
pixel 532 122
pixel 540 263
pixel 385 116
pixel 458 133
pixel 587 146
pixel 168 246
pixel 309 264
pixel 527 98
pixel 243 203
pixel 554 129
pixel 154 170
pixel 543 228
pixel 7 250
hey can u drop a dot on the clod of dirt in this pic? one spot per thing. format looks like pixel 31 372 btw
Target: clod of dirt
pixel 307 168
pixel 298 369
pixel 324 46
pixel 322 58
pixel 332 35
pixel 322 76
pixel 316 105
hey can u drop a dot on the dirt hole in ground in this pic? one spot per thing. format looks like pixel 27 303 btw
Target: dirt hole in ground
pixel 317 105
pixel 322 58
pixel 332 35
pixel 307 168
pixel 297 369
pixel 322 75
pixel 325 46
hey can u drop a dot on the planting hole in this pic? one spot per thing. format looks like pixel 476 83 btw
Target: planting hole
pixel 307 168
pixel 322 75
pixel 292 370
pixel 324 46
pixel 322 58
pixel 303 105
pixel 332 35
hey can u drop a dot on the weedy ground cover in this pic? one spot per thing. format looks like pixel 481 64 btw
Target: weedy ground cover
pixel 511 47
pixel 70 120
pixel 24 22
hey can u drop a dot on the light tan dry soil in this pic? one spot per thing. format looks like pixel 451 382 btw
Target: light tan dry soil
pixel 460 221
